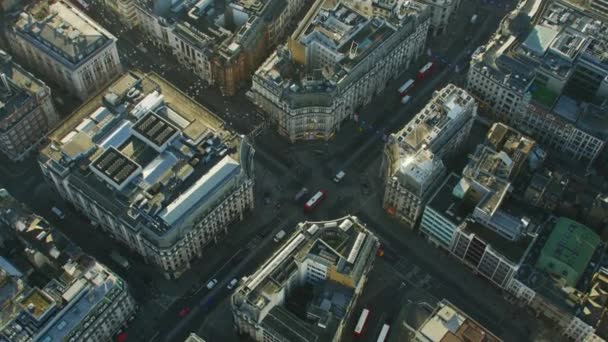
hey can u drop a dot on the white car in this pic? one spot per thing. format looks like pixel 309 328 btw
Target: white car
pixel 232 284
pixel 211 284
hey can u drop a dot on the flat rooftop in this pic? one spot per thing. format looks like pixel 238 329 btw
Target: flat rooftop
pixel 554 288
pixel 450 324
pixel 146 151
pixel 442 113
pixel 64 29
pixel 446 203
pixel 568 250
pixel 513 250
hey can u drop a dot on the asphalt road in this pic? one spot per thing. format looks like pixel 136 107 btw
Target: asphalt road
pixel 285 169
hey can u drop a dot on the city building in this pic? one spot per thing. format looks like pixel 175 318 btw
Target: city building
pixel 58 41
pixel 545 73
pixel 473 217
pixel 27 112
pixel 221 43
pixel 442 13
pixel 335 61
pixel 444 213
pixel 155 170
pixel 449 323
pixel 413 157
pixel 595 305
pixel 125 10
pixel 487 253
pixel 557 274
pixel 599 7
pixel 82 301
pixel 307 290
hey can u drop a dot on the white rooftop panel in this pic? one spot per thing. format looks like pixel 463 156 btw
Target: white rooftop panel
pixel 68 137
pixel 85 126
pixel 158 167
pixel 74 290
pixel 99 114
pixel 118 135
pixel 182 204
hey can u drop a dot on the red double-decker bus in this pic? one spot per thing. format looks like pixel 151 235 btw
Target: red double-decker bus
pixel 314 200
pixel 361 322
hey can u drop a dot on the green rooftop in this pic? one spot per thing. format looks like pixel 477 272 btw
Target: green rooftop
pixel 568 250
pixel 542 94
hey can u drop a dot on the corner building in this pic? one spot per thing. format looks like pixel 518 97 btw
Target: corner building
pixel 332 258
pixel 60 42
pixel 337 59
pixel 412 163
pixel 156 170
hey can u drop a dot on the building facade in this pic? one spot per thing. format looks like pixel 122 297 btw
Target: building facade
pixel 412 162
pixel 222 45
pixel 473 248
pixel 82 301
pixel 27 112
pixel 309 86
pixel 333 257
pixel 155 170
pixel 125 9
pixel 60 42
pixel 442 13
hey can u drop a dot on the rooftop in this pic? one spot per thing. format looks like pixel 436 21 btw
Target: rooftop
pixel 568 250
pixel 554 287
pixel 418 171
pixel 65 31
pixel 513 250
pixel 553 43
pixel 450 324
pixel 348 36
pixel 446 201
pixel 342 247
pixel 148 152
pixel 444 114
pixel 80 287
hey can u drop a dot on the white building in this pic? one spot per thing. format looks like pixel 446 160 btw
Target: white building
pixel 334 63
pixel 412 160
pixel 157 171
pixel 551 85
pixel 62 43
pixel 332 256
